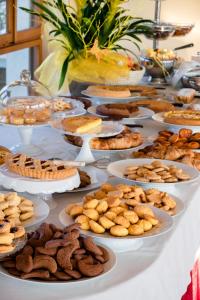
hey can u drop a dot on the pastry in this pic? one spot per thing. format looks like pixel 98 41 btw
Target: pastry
pixel 121 110
pixel 63 261
pixel 3 153
pixel 183 117
pixel 16 120
pixel 185 96
pixel 29 118
pixel 35 168
pixel 18 231
pixel 155 105
pixel 59 105
pixel 109 91
pixel 81 124
pixel 84 178
pixel 125 140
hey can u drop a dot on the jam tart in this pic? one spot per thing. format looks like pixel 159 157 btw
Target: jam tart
pixel 40 169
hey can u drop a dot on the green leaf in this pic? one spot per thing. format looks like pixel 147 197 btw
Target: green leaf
pixel 64 70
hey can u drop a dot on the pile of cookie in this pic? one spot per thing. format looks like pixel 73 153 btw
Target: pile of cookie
pixel 184 139
pixel 156 172
pixel 15 208
pixel 55 254
pixel 120 210
pixel 8 235
pixel 176 147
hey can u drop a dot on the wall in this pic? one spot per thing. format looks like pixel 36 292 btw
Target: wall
pixel 183 11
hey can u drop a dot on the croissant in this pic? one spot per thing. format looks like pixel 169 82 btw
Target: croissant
pixel 174 153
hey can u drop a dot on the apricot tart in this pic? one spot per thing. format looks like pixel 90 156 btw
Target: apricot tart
pixel 35 168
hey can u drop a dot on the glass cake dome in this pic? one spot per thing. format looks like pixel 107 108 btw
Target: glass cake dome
pixel 25 87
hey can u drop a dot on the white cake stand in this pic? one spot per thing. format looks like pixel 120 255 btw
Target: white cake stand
pixel 107 129
pixel 25 132
pixel 43 188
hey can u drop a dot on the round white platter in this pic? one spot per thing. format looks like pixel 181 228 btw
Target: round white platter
pixel 21 184
pixel 108 267
pixel 127 243
pixel 41 211
pixel 97 176
pixel 159 117
pixel 117 169
pixel 107 129
pixel 144 113
pixel 76 110
pixel 44 188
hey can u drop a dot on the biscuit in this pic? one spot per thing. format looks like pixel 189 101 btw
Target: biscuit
pixel 2 215
pixel 142 210
pixel 118 231
pixel 3 205
pixel 105 222
pixel 145 224
pixel 91 213
pixel 83 221
pixel 18 231
pixel 113 201
pixel 95 227
pixel 6 238
pixel 26 216
pixel 151 219
pixel 25 208
pixel 135 230
pixel 111 215
pixel 75 210
pixel 2 198
pixel 5 226
pixel 26 202
pixel 102 206
pixel 120 220
pixel 91 204
pixel 131 216
pixel 6 248
pixel 13 199
pixel 12 210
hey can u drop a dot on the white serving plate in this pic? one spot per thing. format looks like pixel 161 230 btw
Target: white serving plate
pixel 144 113
pixel 108 267
pixel 106 129
pixel 159 117
pixel 41 212
pixel 117 169
pixel 98 177
pixel 127 243
pixel 21 184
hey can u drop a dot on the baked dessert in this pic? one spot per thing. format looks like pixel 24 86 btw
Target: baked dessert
pixel 111 91
pixel 3 153
pixel 84 178
pixel 183 117
pixel 81 124
pixel 123 110
pixel 42 169
pixel 55 254
pixel 59 105
pixel 157 172
pixel 125 140
pixel 155 105
pixel 117 209
pixel 15 208
pixel 8 234
pixel 19 116
pixel 143 90
pixel 184 139
pixel 185 96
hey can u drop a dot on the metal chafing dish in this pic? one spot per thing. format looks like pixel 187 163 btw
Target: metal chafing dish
pixel 192 79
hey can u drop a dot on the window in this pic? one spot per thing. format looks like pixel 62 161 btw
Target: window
pixel 20 39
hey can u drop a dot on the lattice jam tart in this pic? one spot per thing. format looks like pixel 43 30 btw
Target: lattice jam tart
pixel 35 168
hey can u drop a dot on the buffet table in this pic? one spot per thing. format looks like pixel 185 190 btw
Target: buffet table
pixel 159 270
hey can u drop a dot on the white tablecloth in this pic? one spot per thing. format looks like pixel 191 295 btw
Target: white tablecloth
pixel 157 271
